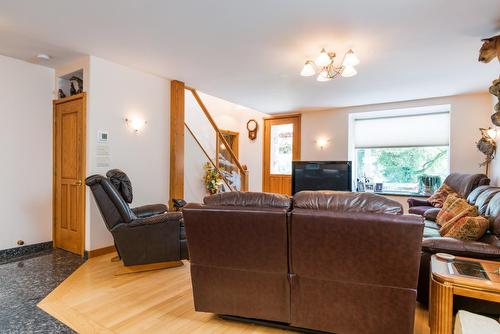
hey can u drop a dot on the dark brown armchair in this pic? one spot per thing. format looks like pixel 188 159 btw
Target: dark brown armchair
pixel 142 235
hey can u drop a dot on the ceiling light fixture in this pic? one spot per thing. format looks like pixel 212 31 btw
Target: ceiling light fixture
pixel 324 66
pixel 43 56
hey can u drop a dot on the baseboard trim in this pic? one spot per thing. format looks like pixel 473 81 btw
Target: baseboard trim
pixel 101 251
pixel 11 254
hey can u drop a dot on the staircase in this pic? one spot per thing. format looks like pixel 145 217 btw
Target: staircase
pixel 204 135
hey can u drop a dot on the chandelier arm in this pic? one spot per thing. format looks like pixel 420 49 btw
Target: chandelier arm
pixel 343 58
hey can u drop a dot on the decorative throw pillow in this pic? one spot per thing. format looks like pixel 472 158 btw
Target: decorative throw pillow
pixel 455 208
pixel 437 199
pixel 466 228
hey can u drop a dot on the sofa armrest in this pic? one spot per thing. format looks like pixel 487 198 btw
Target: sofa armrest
pixel 169 217
pixel 431 214
pixel 458 247
pixel 418 202
pixel 149 210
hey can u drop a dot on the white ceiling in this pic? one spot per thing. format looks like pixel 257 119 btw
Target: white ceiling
pixel 251 52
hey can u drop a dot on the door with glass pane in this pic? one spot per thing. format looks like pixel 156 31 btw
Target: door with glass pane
pixel 281 147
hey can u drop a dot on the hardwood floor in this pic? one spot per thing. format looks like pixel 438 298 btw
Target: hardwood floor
pixel 94 300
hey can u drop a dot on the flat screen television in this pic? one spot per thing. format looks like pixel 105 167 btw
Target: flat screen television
pixel 321 175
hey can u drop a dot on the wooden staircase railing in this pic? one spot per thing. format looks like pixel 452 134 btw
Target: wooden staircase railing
pixel 242 170
pixel 208 157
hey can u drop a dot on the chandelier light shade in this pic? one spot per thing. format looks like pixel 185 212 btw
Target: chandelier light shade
pixel 350 59
pixel 323 59
pixel 323 76
pixel 325 69
pixel 349 71
pixel 308 69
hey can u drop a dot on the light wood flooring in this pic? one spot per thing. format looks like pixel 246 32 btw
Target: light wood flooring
pixel 94 300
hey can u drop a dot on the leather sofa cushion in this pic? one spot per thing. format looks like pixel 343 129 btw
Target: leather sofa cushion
pixel 493 213
pixel 463 184
pixel 431 225
pixel 248 199
pixel 431 214
pixel 431 229
pixel 122 183
pixel 420 210
pixel 431 233
pixel 484 198
pixel 474 194
pixel 346 201
pixel 486 247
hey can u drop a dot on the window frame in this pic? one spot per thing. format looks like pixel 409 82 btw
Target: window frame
pixel 385 113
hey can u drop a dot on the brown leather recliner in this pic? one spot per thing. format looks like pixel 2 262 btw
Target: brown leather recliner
pixel 239 255
pixel 463 184
pixel 142 235
pixel 329 264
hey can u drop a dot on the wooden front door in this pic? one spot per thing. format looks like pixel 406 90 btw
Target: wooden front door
pixel 69 173
pixel 281 147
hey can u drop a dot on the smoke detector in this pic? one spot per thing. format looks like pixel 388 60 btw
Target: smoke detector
pixel 43 56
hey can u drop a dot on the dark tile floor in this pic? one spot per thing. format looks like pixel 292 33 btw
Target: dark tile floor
pixel 26 281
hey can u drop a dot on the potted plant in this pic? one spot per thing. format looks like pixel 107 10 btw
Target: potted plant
pixel 213 179
pixel 428 184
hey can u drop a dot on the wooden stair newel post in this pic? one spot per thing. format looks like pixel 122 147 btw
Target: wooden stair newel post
pixel 177 91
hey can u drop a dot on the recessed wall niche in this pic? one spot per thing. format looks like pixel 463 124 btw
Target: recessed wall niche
pixel 65 82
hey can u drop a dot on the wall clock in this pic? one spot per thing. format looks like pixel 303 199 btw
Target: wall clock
pixel 252 127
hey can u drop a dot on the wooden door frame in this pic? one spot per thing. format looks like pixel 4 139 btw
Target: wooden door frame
pixel 266 156
pixel 83 166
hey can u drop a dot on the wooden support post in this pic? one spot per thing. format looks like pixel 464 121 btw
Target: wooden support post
pixel 176 140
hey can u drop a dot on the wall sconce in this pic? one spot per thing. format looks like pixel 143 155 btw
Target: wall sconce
pixel 322 142
pixel 135 124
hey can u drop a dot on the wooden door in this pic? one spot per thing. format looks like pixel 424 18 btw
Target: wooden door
pixel 69 173
pixel 281 147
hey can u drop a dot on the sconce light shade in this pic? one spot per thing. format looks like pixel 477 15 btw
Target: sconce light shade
pixel 135 124
pixel 322 142
pixel 492 133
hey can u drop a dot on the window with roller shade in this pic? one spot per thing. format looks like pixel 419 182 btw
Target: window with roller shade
pixel 396 149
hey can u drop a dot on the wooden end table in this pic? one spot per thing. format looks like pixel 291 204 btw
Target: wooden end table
pixel 447 282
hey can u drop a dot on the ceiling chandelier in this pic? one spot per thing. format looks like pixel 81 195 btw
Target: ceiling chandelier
pixel 324 66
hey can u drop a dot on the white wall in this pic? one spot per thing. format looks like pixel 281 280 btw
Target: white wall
pixel 227 116
pixel 468 113
pixel 115 93
pixel 26 92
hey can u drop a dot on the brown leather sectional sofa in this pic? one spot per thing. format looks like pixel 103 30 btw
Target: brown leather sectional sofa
pixel 487 200
pixel 328 261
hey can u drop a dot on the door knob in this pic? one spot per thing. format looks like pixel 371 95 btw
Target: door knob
pixel 78 183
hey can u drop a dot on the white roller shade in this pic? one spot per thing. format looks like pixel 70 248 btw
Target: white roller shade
pixel 403 131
